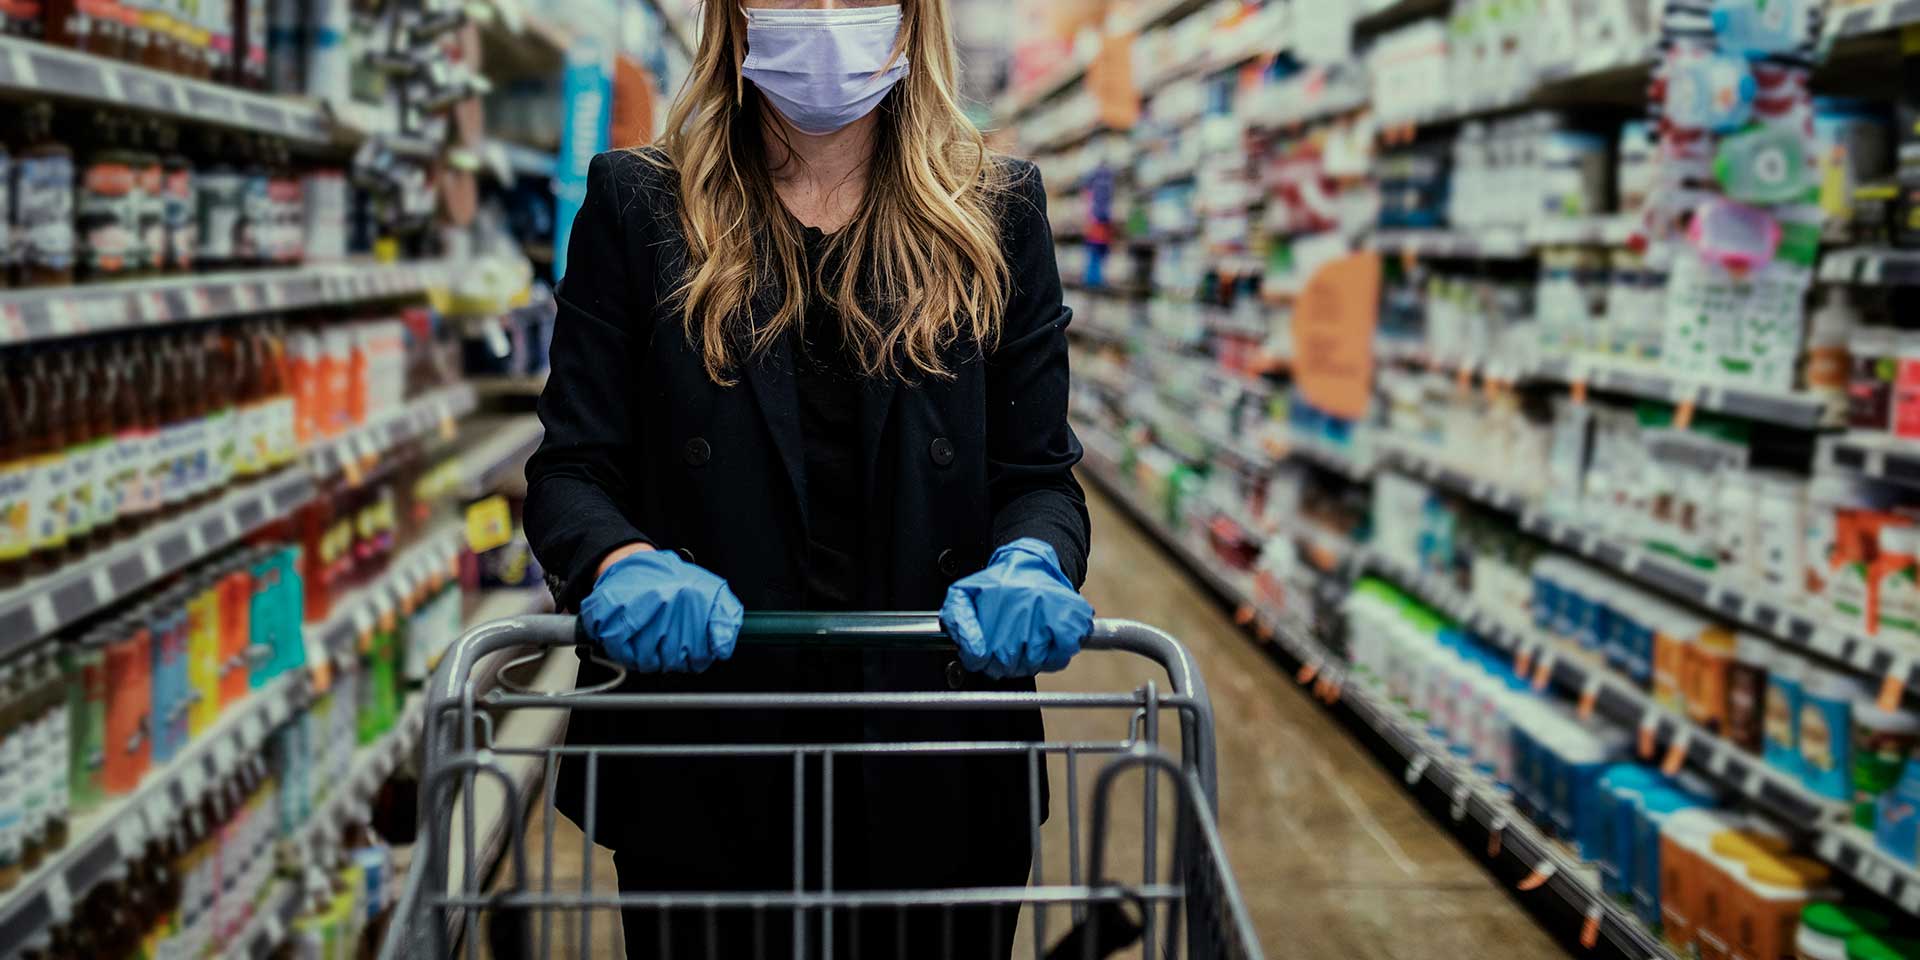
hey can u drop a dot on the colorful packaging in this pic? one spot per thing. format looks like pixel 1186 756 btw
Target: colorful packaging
pixel 1781 726
pixel 1884 742
pixel 1826 731
pixel 1747 692
pixel 1826 927
pixel 1896 825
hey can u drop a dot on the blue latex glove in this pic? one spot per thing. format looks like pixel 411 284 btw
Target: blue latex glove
pixel 1018 617
pixel 655 613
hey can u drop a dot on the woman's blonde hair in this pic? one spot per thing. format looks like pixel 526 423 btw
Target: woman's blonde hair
pixel 923 265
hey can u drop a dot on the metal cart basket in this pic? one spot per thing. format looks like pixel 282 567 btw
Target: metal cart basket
pixel 1177 897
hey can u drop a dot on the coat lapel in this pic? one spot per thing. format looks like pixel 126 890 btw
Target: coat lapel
pixel 771 378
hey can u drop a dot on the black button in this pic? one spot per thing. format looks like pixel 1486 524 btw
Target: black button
pixel 685 554
pixel 941 451
pixel 697 453
pixel 949 563
pixel 956 677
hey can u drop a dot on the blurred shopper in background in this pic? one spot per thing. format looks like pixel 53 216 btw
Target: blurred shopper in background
pixel 811 354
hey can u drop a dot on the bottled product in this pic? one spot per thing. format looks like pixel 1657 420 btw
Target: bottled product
pixel 109 203
pixel 1782 725
pixel 87 719
pixel 150 204
pixel 1826 731
pixel 16 469
pixel 43 188
pixel 219 199
pixel 1893 596
pixel 177 208
pixel 1826 927
pixel 51 424
pixel 1873 355
pixel 8 253
pixel 1827 371
pixel 1905 400
pixel 12 776
pixel 1747 692
pixel 1884 743
pixel 1897 822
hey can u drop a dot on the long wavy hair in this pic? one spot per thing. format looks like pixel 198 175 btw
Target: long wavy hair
pixel 923 267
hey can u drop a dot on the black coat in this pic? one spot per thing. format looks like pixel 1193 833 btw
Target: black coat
pixel 641 445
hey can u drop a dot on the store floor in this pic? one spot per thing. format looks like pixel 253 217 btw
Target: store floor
pixel 1333 857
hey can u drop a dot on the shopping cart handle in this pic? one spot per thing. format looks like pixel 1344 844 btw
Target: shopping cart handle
pixel 893 631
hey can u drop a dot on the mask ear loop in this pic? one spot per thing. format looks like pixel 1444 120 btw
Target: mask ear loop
pixel 899 49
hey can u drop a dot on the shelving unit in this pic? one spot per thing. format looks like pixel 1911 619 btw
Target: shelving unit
pixel 1427 762
pixel 1747 605
pixel 46 605
pixel 357 451
pixel 43 71
pixel 118 830
pixel 46 313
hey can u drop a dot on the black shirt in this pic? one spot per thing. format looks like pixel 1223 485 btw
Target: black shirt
pixel 830 387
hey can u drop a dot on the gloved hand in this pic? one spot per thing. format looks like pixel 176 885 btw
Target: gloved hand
pixel 655 613
pixel 1018 617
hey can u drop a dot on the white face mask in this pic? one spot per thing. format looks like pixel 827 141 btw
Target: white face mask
pixel 822 68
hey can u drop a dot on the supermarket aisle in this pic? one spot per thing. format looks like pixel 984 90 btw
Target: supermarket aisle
pixel 1334 857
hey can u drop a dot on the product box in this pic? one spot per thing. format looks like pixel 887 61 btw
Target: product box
pixel 1897 826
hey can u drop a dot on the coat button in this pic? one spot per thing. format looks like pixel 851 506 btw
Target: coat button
pixel 697 452
pixel 949 563
pixel 685 554
pixel 956 677
pixel 941 451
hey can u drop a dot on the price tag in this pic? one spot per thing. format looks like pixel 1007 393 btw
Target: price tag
pixel 1753 781
pixel 1543 872
pixel 276 712
pixel 1417 768
pixel 45 620
pixel 1686 396
pixel 1494 830
pixel 384 611
pixel 1649 726
pixel 193 780
pixel 1461 793
pixel 1590 928
pixel 244 298
pixel 1863 656
pixel 154 308
pixel 1826 642
pixel 253 731
pixel 200 302
pixel 363 623
pixel 1676 752
pixel 447 428
pixel 13 326
pixel 102 578
pixel 158 813
pixel 1543 674
pixel 1522 658
pixel 1589 697
pixel 1717 763
pixel 130 835
pixel 60 315
pixel 225 755
pixel 150 561
pixel 276 295
pixel 489 524
pixel 349 465
pixel 1895 684
pixel 196 541
pixel 1579 388
pixel 59 897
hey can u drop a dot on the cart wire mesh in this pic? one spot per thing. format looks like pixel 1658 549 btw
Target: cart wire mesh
pixel 1169 894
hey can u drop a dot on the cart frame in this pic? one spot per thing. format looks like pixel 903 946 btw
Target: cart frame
pixel 458 749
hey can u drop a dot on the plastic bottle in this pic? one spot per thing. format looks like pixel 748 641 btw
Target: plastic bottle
pixel 16 470
pixel 162 48
pixel 1826 731
pixel 101 389
pixel 218 189
pixel 107 208
pixel 132 435
pixel 1747 692
pixel 55 748
pixel 52 426
pixel 1894 595
pixel 178 206
pixel 12 787
pixel 150 199
pixel 249 61
pixel 86 25
pixel 83 453
pixel 1829 328
pixel 43 201
pixel 1870 384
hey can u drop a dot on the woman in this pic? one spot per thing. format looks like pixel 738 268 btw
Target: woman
pixel 811 354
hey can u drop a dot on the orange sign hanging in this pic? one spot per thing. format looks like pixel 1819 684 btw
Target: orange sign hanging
pixel 1333 325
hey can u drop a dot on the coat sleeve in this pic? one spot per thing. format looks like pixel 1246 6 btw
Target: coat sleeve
pixel 585 482
pixel 1031 449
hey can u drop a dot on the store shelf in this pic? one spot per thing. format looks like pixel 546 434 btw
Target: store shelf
pixel 358 451
pixel 1155 13
pixel 44 71
pixel 1798 410
pixel 1595 76
pixel 1863 18
pixel 1671 739
pixel 272 918
pixel 118 830
pixel 1485 244
pixel 1877 455
pixel 1064 77
pixel 499 451
pixel 1560 664
pixel 1749 606
pixel 46 605
pixel 1394 13
pixel 415 571
pixel 1349 463
pixel 1427 761
pixel 349 799
pixel 44 313
pixel 520 385
pixel 1871 266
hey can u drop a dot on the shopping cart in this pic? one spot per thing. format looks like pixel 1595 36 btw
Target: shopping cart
pixel 1182 902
